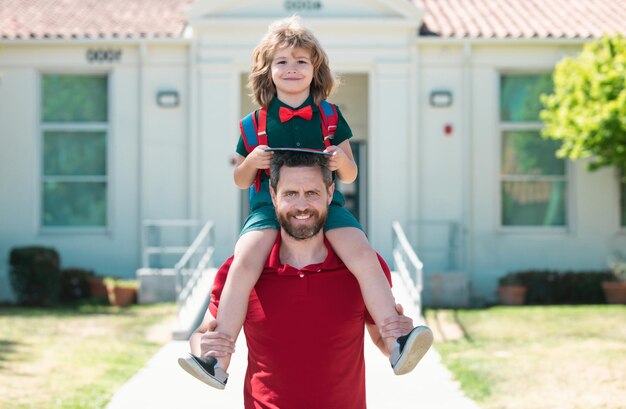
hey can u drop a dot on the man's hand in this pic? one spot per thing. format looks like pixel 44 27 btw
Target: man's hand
pixel 215 344
pixel 396 326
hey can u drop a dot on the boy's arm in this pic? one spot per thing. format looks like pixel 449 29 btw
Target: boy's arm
pixel 206 342
pixel 246 168
pixel 342 162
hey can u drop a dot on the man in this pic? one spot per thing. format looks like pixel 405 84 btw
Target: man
pixel 306 316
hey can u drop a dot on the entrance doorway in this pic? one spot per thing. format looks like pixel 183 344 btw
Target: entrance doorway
pixel 356 192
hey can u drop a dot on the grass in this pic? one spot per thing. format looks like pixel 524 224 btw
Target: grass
pixel 75 358
pixel 537 357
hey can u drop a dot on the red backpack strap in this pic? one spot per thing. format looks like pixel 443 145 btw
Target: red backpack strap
pixel 330 119
pixel 261 126
pixel 253 134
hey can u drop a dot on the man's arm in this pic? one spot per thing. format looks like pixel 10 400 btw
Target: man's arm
pixel 206 342
pixel 392 327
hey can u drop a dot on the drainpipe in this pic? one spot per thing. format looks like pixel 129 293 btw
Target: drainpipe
pixel 467 254
pixel 415 139
pixel 141 86
pixel 193 208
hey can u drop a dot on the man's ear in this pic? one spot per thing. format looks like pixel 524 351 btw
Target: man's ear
pixel 273 194
pixel 331 190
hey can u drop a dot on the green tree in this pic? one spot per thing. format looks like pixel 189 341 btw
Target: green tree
pixel 587 109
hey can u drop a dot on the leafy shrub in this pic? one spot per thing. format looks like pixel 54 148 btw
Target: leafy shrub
pixel 545 287
pixel 35 275
pixel 74 286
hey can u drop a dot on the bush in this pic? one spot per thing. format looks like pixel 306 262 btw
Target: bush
pixel 35 275
pixel 74 286
pixel 545 287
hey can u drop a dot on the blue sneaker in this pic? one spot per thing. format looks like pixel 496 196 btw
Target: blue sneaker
pixel 205 370
pixel 410 349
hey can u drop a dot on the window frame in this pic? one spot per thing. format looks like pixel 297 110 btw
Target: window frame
pixel 621 190
pixel 75 127
pixel 505 126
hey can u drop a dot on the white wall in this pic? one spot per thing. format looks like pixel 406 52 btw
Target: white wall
pixel 115 251
pixel 224 54
pixel 447 165
pixel 176 162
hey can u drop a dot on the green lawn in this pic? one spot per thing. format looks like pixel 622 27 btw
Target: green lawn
pixel 538 357
pixel 75 358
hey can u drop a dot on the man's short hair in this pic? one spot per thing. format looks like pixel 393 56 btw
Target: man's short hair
pixel 298 160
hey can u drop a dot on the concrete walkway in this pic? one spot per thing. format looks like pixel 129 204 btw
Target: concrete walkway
pixel 162 384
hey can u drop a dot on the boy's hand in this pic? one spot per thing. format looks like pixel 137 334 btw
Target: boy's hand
pixel 396 326
pixel 259 158
pixel 338 159
pixel 215 344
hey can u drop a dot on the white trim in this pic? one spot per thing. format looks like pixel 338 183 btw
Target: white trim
pixel 193 169
pixel 75 178
pixel 208 10
pixel 534 178
pixel 373 78
pixel 141 136
pixel 408 9
pixel 435 40
pixel 520 126
pixel 316 23
pixel 86 41
pixel 72 231
pixel 467 212
pixel 38 157
pixel 534 230
pixel 200 8
pixel 75 126
pixel 414 144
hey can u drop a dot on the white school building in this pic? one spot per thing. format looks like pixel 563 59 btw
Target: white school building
pixel 117 112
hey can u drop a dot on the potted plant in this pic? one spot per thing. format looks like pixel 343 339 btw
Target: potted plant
pixel 121 292
pixel 511 290
pixel 97 289
pixel 615 289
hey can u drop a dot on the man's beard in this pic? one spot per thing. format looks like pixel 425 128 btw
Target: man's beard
pixel 302 231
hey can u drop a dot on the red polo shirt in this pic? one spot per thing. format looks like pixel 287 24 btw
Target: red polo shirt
pixel 304 329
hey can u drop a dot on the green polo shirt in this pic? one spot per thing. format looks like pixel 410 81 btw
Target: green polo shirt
pixel 295 133
pixel 298 132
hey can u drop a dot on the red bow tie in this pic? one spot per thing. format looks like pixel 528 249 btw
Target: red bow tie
pixel 286 114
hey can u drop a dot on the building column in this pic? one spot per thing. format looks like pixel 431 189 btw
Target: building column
pixel 389 153
pixel 217 138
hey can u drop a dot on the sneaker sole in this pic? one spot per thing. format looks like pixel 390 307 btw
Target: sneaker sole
pixel 195 370
pixel 419 342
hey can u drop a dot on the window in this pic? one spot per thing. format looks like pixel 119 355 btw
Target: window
pixel 533 182
pixel 74 123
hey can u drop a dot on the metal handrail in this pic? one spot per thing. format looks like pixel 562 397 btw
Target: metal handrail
pixel 407 264
pixel 154 227
pixel 192 264
pixel 445 242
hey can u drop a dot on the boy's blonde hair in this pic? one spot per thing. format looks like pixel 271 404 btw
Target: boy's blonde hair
pixel 288 32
